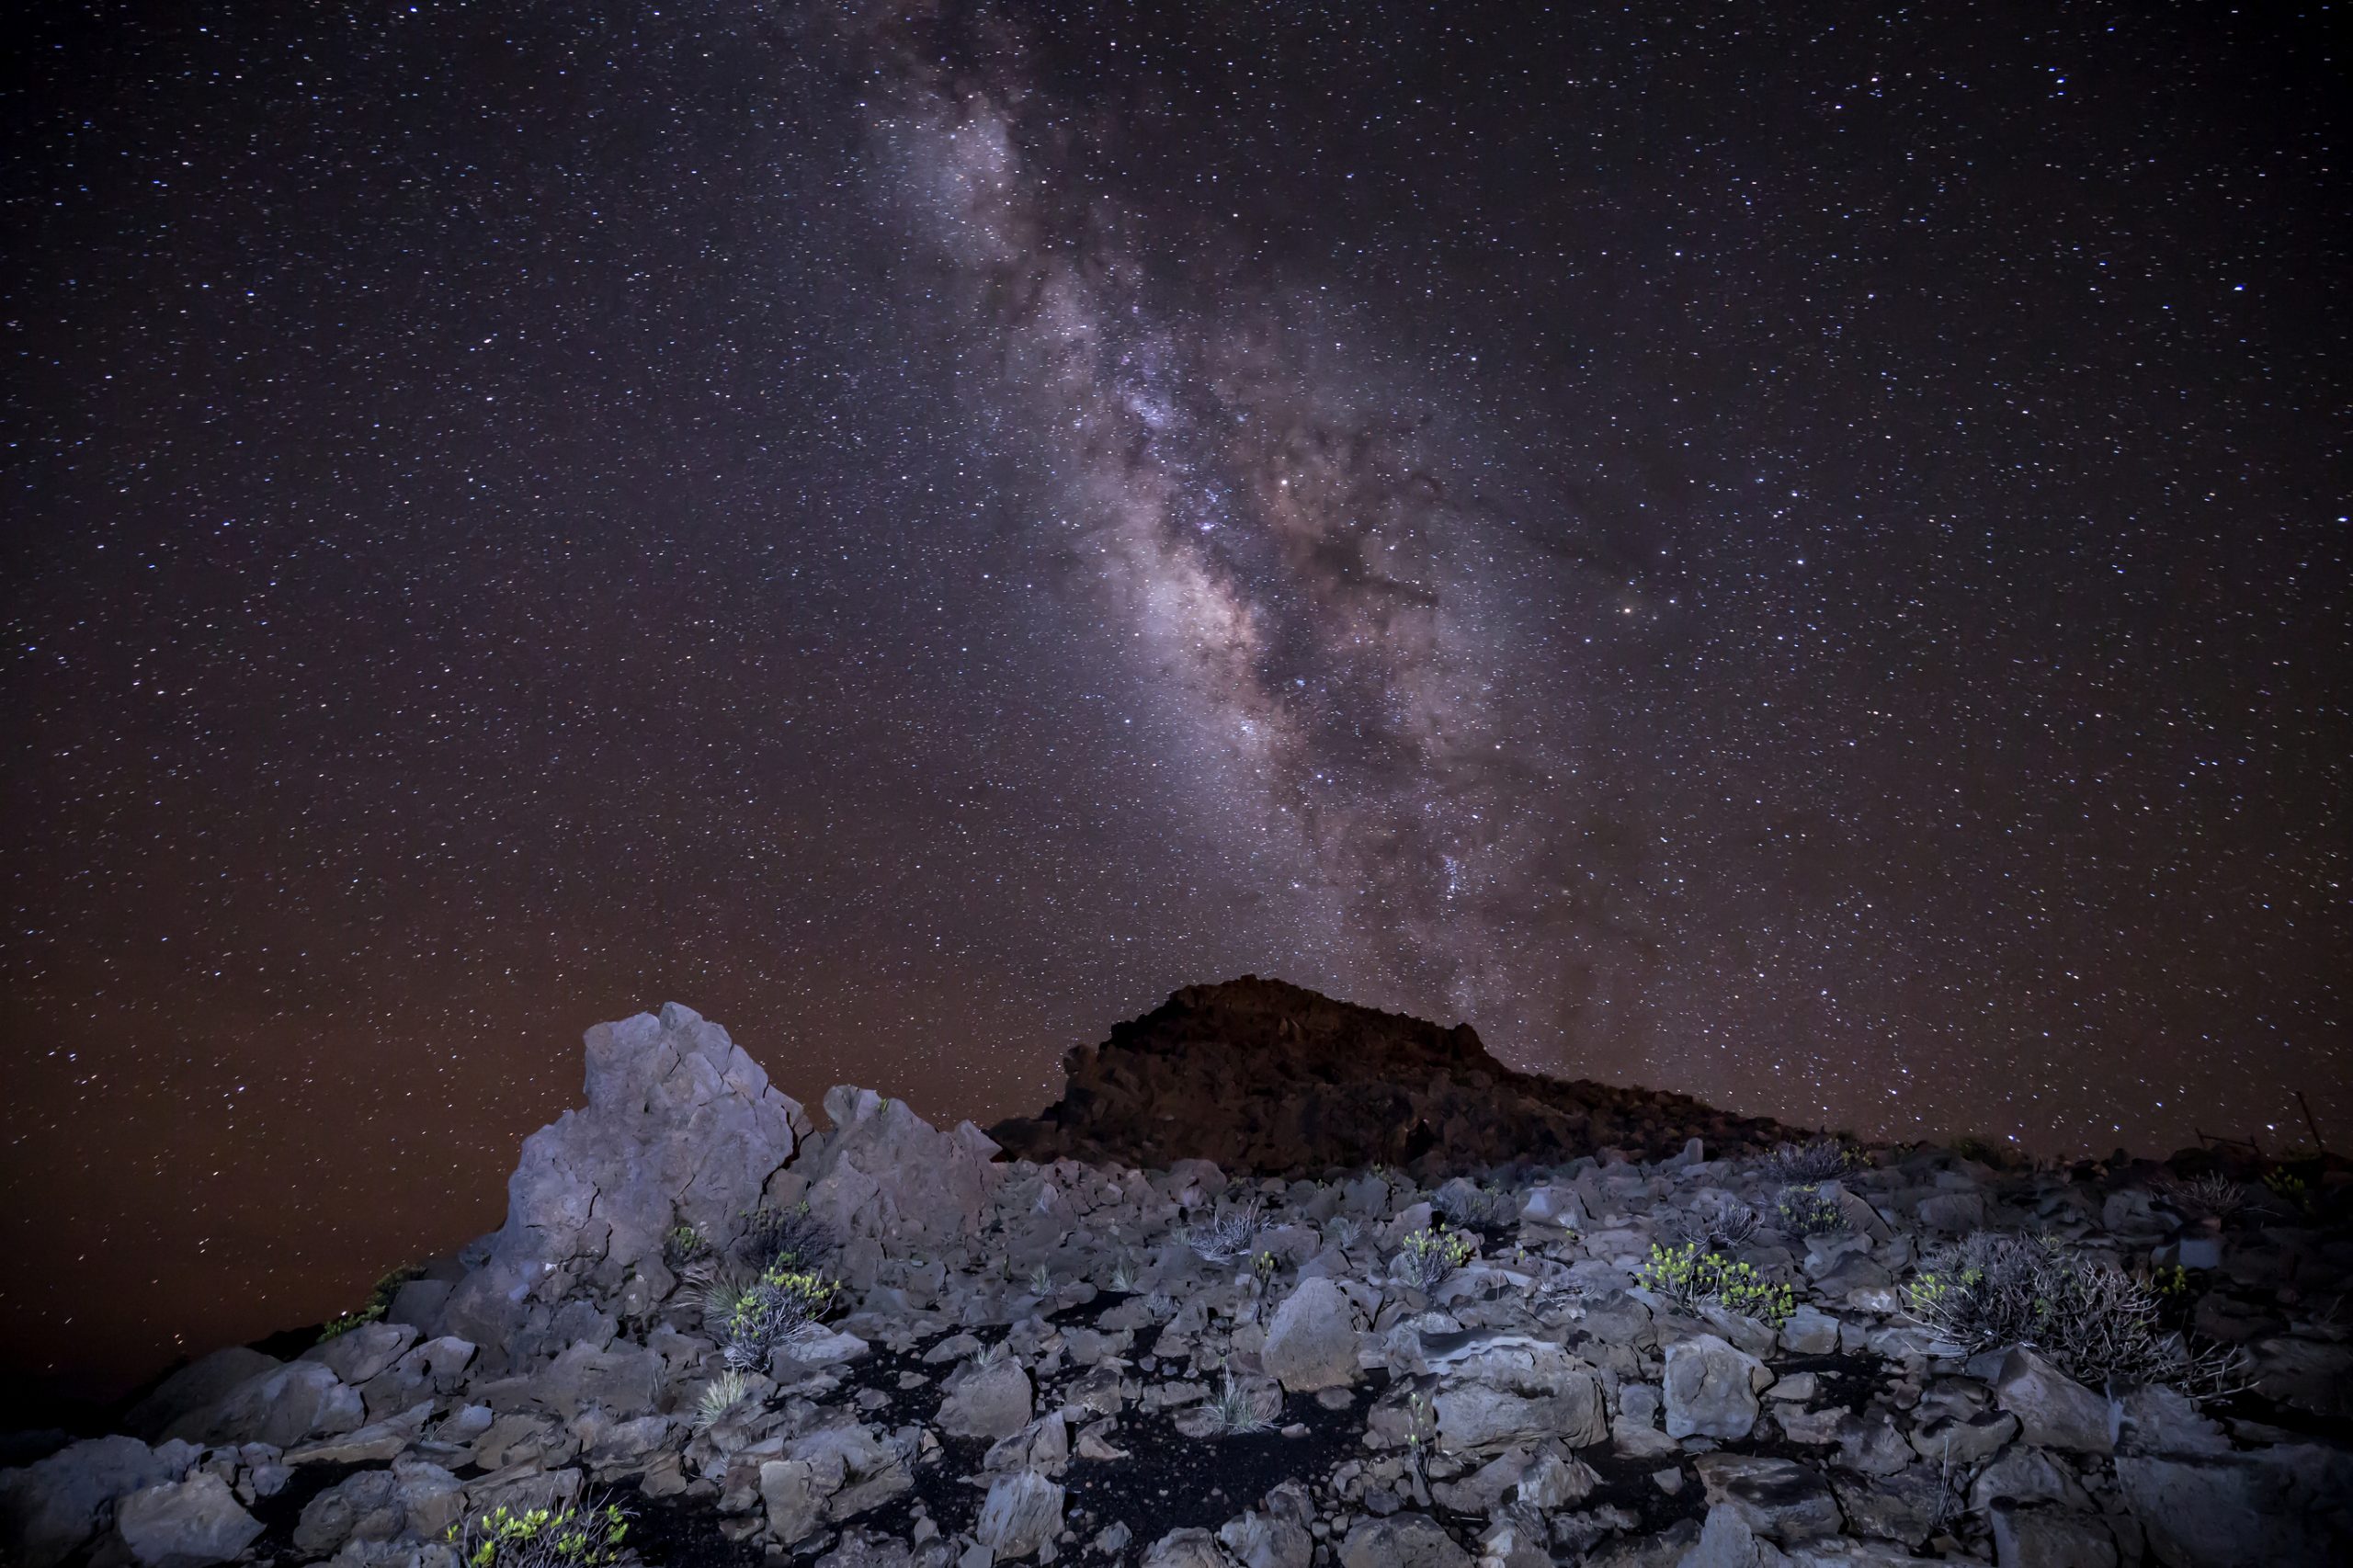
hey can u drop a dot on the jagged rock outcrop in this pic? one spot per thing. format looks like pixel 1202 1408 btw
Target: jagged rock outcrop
pixel 1265 1076
pixel 681 1128
pixel 885 1173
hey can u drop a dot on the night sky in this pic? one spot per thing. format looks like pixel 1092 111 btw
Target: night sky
pixel 1793 553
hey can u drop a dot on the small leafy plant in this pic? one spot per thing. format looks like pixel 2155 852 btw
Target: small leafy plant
pixel 1429 1255
pixel 588 1536
pixel 1801 1210
pixel 1042 1280
pixel 681 1246
pixel 782 1305
pixel 1691 1278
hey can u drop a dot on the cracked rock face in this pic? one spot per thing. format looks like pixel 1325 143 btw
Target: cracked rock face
pixel 680 1127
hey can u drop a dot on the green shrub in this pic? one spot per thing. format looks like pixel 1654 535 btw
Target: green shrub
pixel 587 1537
pixel 1691 1278
pixel 1800 1212
pixel 1430 1254
pixel 782 1305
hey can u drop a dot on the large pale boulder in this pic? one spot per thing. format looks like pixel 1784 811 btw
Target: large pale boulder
pixel 185 1523
pixel 884 1172
pixel 1311 1343
pixel 680 1127
pixel 1517 1393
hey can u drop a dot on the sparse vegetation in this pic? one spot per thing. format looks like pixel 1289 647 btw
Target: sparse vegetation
pixel 2212 1196
pixel 1428 1255
pixel 786 1238
pixel 1225 1237
pixel 2089 1318
pixel 681 1246
pixel 1232 1411
pixel 1801 1210
pixel 782 1305
pixel 1342 1232
pixel 591 1536
pixel 719 1396
pixel 1690 1277
pixel 1042 1280
pixel 378 1303
pixel 1814 1160
pixel 1719 1222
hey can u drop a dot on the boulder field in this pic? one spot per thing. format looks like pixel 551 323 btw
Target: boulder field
pixel 1280 1283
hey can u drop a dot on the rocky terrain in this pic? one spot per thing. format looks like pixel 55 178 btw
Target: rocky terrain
pixel 1473 1318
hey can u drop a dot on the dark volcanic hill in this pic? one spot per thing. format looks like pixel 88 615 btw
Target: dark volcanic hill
pixel 1263 1076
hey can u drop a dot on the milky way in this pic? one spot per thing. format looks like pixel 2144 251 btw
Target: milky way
pixel 1795 554
pixel 1282 526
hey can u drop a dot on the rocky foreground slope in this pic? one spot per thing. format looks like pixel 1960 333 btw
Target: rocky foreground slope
pixel 1584 1356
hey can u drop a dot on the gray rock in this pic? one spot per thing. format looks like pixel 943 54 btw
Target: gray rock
pixel 374 1444
pixel 681 1127
pixel 185 1523
pixel 1954 1213
pixel 1711 1389
pixel 359 1354
pixel 1726 1542
pixel 1311 1343
pixel 622 1383
pixel 790 1496
pixel 2026 1475
pixel 1022 1512
pixel 1401 1540
pixel 1905 1506
pixel 886 1173
pixel 1044 1446
pixel 47 1509
pixel 1809 1332
pixel 2053 1410
pixel 2050 1538
pixel 1773 1496
pixel 1517 1392
pixel 2286 1507
pixel 1277 1535
pixel 205 1381
pixel 366 1506
pixel 1189 1547
pixel 1964 1440
pixel 280 1407
pixel 986 1401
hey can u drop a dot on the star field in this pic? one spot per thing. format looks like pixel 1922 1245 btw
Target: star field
pixel 1792 555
